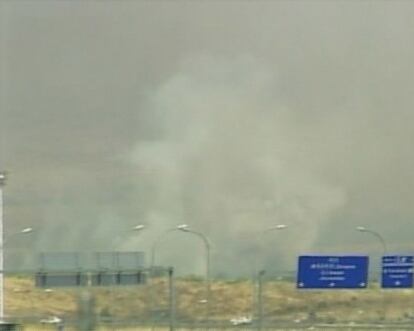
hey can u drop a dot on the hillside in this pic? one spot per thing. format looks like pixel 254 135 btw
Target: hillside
pixel 229 299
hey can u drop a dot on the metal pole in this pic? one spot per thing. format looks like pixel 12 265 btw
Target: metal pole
pixel 260 300
pixel 171 297
pixel 152 274
pixel 257 274
pixel 384 252
pixel 381 240
pixel 2 182
pixel 4 68
pixel 208 282
pixel 207 245
pixel 376 235
pixel 151 283
pixel 207 279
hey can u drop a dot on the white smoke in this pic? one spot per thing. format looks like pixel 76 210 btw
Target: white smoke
pixel 231 161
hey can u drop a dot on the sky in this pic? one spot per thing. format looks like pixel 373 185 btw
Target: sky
pixel 228 116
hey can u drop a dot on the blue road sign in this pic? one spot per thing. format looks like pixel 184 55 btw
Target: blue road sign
pixel 397 271
pixel 332 272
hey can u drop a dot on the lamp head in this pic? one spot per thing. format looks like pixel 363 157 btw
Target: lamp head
pixel 277 227
pixel 138 227
pixel 26 230
pixel 182 227
pixel 361 228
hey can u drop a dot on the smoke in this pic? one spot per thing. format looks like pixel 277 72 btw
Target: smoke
pixel 231 162
pixel 228 116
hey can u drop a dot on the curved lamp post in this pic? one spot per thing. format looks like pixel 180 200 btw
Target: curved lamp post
pixel 170 275
pixel 3 242
pixel 384 251
pixel 259 239
pixel 185 228
pixel 207 245
pixel 376 235
pixel 139 228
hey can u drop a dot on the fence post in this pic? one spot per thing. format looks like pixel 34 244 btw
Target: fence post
pixel 260 300
pixel 171 297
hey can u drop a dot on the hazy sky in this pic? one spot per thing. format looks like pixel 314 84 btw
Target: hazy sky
pixel 230 116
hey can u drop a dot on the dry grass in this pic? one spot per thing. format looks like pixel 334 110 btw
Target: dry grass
pixel 282 301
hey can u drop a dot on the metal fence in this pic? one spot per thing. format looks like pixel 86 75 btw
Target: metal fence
pixel 34 327
pixel 180 304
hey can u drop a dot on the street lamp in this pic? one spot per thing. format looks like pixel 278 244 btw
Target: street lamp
pixel 376 235
pixel 138 227
pixel 27 230
pixel 170 276
pixel 384 251
pixel 11 236
pixel 3 242
pixel 261 234
pixel 277 227
pixel 185 228
pixel 207 245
